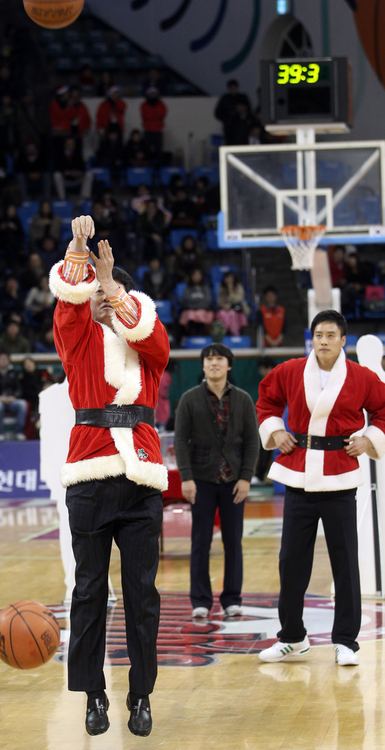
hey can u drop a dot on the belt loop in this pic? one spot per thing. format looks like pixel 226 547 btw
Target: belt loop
pixel 308 444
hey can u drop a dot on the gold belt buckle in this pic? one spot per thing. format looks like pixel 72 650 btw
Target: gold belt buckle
pixel 308 444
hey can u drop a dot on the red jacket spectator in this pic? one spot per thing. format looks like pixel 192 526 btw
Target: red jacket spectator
pixel 60 114
pixel 153 115
pixel 338 266
pixel 111 111
pixel 80 121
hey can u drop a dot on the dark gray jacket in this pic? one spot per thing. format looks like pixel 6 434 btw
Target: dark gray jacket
pixel 199 441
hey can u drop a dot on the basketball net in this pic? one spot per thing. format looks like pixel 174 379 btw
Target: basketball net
pixel 302 241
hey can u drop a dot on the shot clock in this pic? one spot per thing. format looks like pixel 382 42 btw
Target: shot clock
pixel 306 90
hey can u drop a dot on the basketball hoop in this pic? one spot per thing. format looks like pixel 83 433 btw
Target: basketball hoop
pixel 302 241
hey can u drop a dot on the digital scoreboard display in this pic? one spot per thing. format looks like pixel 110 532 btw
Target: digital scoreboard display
pixel 305 90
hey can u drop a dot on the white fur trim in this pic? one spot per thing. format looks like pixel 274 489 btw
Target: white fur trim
pixel 77 294
pixel 140 472
pixel 145 324
pixel 333 483
pixel 121 368
pixel 92 468
pixel 266 429
pixel 377 439
pixel 320 402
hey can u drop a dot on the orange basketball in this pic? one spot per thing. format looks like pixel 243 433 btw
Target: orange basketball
pixel 370 18
pixel 53 14
pixel 29 634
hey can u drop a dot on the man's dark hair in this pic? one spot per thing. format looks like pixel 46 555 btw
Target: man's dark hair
pixel 270 288
pixel 232 82
pixel 267 362
pixel 220 350
pixel 124 278
pixel 330 316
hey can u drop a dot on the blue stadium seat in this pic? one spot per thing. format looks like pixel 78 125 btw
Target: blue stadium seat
pixel 25 212
pixel 85 208
pixel 122 47
pixel 47 35
pixel 212 174
pixel 65 209
pixel 95 35
pixel 86 60
pixel 77 48
pixel 139 274
pixel 176 236
pixel 65 230
pixel 351 339
pixel 100 48
pixel 217 272
pixel 164 310
pixel 64 63
pixel 370 209
pixel 131 62
pixel 166 173
pixel 196 342
pixel 107 62
pixel 102 174
pixel 211 237
pixel 54 49
pixel 330 172
pixel 237 342
pixel 289 175
pixel 71 35
pixel 138 175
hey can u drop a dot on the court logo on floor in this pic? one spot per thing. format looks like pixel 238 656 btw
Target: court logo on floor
pixel 183 642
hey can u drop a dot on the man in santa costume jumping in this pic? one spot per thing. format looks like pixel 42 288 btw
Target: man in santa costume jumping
pixel 326 395
pixel 114 350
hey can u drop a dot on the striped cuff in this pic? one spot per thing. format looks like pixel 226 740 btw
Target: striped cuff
pixel 125 307
pixel 75 266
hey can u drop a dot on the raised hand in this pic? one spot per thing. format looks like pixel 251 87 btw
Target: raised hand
pixel 82 228
pixel 104 265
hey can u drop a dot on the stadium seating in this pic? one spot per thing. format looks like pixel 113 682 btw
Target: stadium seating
pixel 237 342
pixel 164 310
pixel 196 342
pixel 138 175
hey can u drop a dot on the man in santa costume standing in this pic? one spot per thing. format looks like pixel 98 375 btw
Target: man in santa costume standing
pixel 114 351
pixel 326 395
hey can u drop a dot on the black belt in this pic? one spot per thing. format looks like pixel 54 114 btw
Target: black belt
pixel 116 416
pixel 321 443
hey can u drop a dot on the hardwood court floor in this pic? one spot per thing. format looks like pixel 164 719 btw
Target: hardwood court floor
pixel 238 703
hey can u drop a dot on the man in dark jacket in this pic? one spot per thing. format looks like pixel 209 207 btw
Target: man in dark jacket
pixel 10 401
pixel 216 448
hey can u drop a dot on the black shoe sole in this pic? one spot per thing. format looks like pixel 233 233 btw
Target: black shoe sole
pixel 140 733
pixel 101 731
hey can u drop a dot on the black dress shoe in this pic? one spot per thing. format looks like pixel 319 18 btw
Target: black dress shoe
pixel 140 721
pixel 96 715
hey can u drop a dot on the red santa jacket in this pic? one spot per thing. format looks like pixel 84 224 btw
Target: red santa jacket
pixel 336 410
pixel 153 116
pixel 102 368
pixel 108 112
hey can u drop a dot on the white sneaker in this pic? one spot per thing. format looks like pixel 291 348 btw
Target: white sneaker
pixel 233 611
pixel 20 436
pixel 281 651
pixel 201 612
pixel 345 657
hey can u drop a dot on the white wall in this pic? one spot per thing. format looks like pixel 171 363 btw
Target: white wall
pixel 190 115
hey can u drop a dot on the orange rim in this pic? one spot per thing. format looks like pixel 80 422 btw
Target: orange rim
pixel 304 233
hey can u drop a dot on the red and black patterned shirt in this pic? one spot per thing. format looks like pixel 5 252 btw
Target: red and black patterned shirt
pixel 221 409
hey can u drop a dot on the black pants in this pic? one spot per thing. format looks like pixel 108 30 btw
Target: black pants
pixel 302 511
pixel 209 497
pixel 100 511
